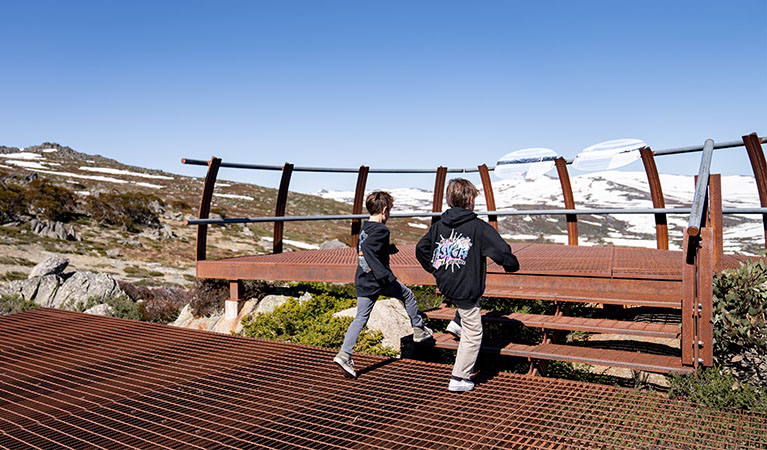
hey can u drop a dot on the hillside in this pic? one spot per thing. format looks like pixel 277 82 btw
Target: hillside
pixel 163 252
pixel 160 254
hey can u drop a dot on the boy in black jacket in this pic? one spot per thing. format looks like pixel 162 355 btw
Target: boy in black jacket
pixel 454 250
pixel 375 278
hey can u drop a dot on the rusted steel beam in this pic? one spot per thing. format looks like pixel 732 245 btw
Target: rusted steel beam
pixel 567 193
pixel 705 293
pixel 204 211
pixel 359 199
pixel 759 166
pixel 715 219
pixel 282 201
pixel 439 192
pixel 689 299
pixel 487 186
pixel 656 193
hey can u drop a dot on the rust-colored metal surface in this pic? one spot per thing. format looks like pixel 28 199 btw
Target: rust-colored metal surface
pixel 70 380
pixel 567 193
pixel 359 200
pixel 656 193
pixel 562 322
pixel 439 191
pixel 610 275
pixel 756 156
pixel 487 186
pixel 282 203
pixel 585 355
pixel 207 196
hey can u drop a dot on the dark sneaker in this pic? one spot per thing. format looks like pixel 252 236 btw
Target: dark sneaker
pixel 459 385
pixel 344 360
pixel 454 329
pixel 422 334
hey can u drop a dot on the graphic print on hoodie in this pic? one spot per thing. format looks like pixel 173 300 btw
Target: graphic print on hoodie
pixel 451 252
pixel 455 251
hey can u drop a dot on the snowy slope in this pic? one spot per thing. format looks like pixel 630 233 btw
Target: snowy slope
pixel 610 189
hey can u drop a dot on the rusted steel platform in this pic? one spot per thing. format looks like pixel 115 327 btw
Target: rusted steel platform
pixel 608 275
pixel 69 380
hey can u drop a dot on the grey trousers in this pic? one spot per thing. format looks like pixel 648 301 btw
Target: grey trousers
pixel 365 306
pixel 470 320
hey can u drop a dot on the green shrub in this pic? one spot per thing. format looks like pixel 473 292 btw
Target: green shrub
pixel 160 304
pixel 127 210
pixel 740 308
pixel 312 323
pixel 12 203
pixel 718 389
pixel 49 201
pixel 13 275
pixel 122 306
pixel 12 304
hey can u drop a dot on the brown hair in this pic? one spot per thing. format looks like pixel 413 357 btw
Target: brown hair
pixel 460 192
pixel 376 201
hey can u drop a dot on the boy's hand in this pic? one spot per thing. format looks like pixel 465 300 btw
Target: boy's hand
pixel 393 249
pixel 510 269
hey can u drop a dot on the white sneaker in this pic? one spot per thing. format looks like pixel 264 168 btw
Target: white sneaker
pixel 459 385
pixel 345 362
pixel 454 329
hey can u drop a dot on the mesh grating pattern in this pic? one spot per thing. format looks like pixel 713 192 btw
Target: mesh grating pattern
pixel 69 380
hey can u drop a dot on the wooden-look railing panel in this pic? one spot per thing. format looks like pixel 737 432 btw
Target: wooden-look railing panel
pixel 656 193
pixel 758 164
pixel 489 196
pixel 689 291
pixel 567 193
pixel 715 219
pixel 282 201
pixel 439 191
pixel 359 199
pixel 204 211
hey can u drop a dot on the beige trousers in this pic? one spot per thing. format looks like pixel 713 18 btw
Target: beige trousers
pixel 471 339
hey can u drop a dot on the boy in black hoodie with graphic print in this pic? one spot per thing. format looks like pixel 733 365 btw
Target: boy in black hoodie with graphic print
pixel 374 278
pixel 454 250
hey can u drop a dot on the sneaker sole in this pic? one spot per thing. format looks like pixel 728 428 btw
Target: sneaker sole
pixel 346 373
pixel 455 335
pixel 418 341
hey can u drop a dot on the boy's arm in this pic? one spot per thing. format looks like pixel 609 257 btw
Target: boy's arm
pixel 377 243
pixel 499 250
pixel 423 251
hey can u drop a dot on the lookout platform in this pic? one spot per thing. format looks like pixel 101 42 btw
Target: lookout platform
pixel 74 381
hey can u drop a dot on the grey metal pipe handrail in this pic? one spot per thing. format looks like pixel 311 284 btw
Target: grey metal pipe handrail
pixel 530 212
pixel 671 151
pixel 199 162
pixel 701 189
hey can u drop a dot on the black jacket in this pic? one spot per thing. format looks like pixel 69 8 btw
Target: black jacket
pixel 373 249
pixel 454 250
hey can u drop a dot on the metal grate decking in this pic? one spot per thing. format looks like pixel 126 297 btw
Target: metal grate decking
pixel 69 380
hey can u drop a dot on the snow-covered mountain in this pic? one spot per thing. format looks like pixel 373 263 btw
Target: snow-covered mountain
pixel 611 189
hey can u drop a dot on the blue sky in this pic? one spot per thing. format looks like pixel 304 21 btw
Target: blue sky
pixel 395 84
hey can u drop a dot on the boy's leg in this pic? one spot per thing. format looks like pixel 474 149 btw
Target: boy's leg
pixel 364 307
pixel 471 339
pixel 405 295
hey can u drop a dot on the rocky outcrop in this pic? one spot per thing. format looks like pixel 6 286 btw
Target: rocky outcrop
pixel 54 230
pixel 218 323
pixel 48 286
pixel 335 243
pixel 54 265
pixel 388 316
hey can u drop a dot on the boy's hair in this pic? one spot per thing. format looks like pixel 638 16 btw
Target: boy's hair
pixel 460 192
pixel 376 201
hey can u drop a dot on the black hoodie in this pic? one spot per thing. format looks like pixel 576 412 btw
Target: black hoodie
pixel 373 249
pixel 454 250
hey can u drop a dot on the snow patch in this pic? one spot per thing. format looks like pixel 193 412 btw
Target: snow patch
pixel 27 164
pixel 297 244
pixel 23 155
pixel 242 197
pixel 112 171
pixel 149 185
pixel 417 225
